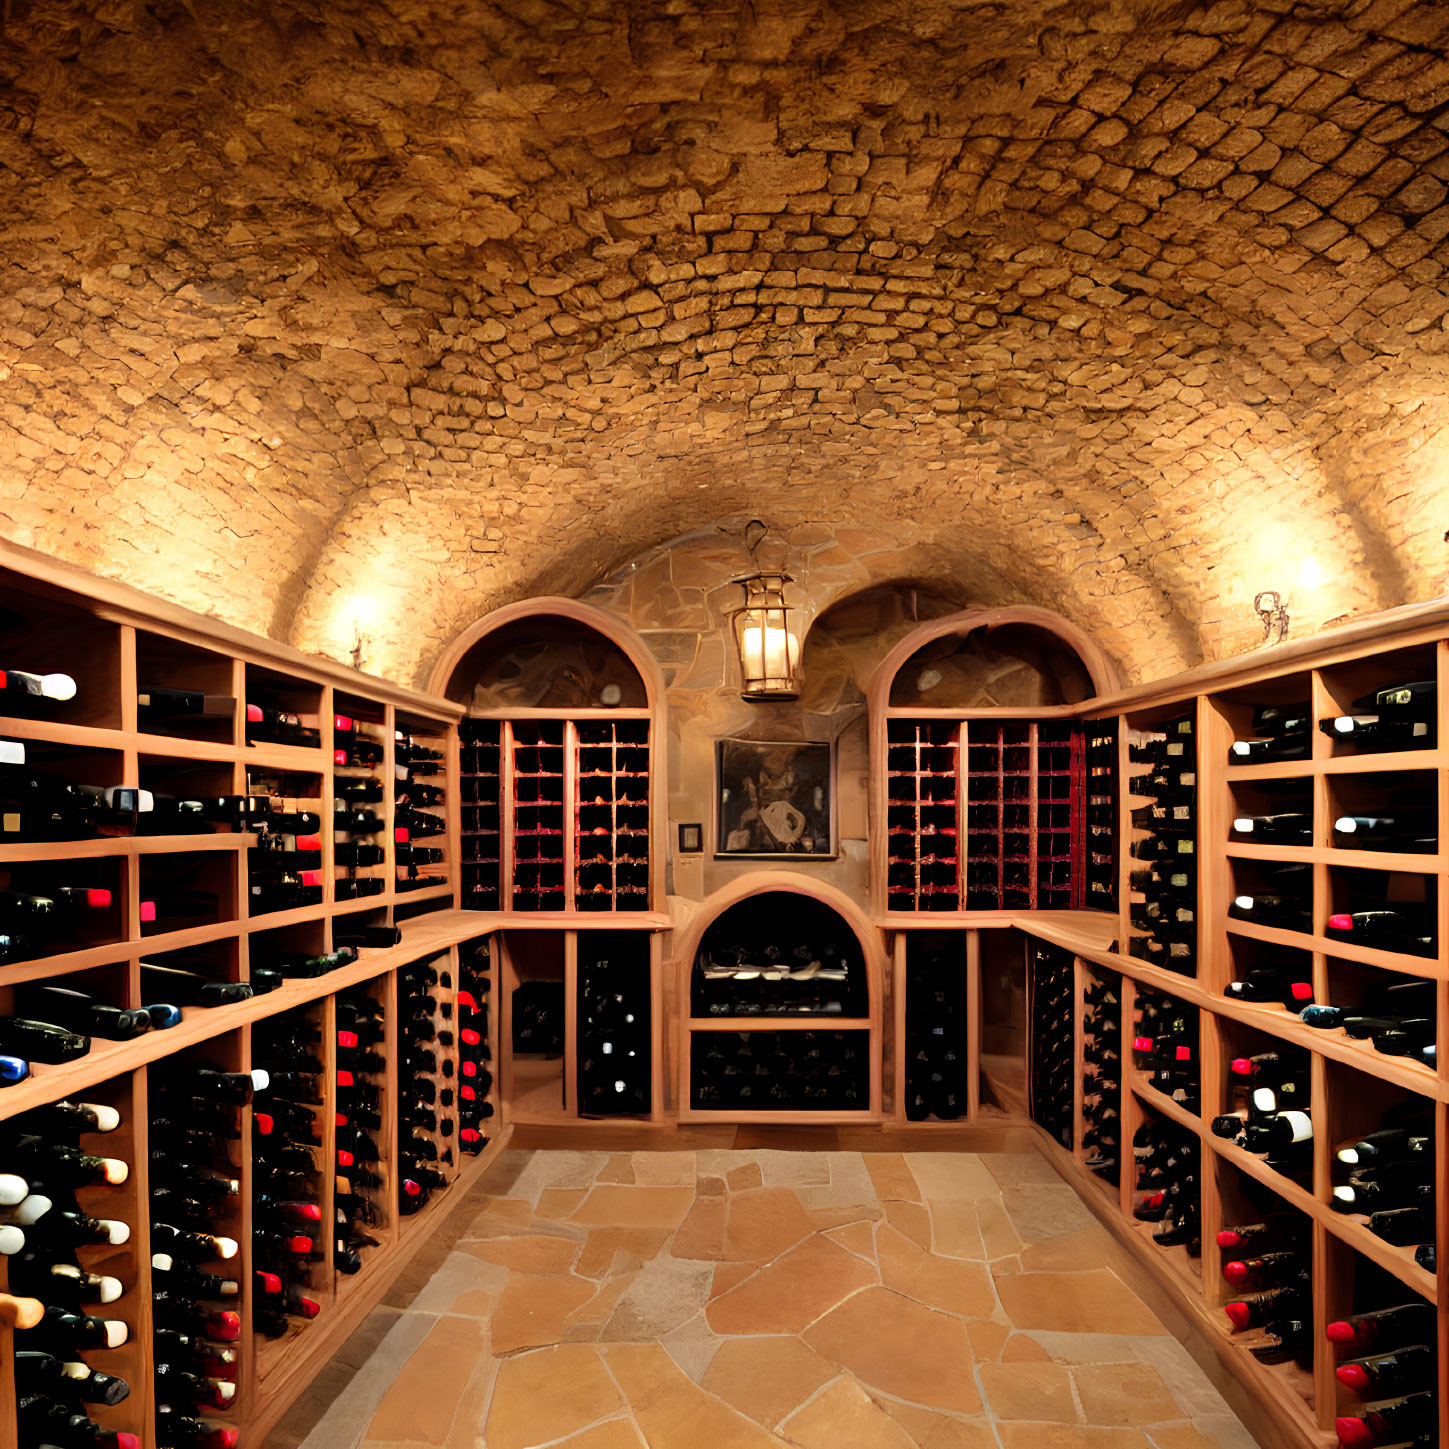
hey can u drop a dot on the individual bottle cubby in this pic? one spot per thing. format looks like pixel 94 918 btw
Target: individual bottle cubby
pixel 1384 1344
pixel 1261 1283
pixel 1101 814
pixel 76 1240
pixel 281 710
pixel 1100 1138
pixel 611 840
pixel 58 907
pixel 419 824
pixel 427 1080
pixel 1276 813
pixel 183 690
pixel 1162 781
pixel 1266 1107
pixel 1381 1167
pixel 936 1026
pixel 93 1004
pixel 199 1121
pixel 1268 976
pixel 37 635
pixel 480 813
pixel 359 932
pixel 1385 703
pixel 615 1024
pixel 1381 910
pixel 539 867
pixel 921 815
pixel 476 1106
pixel 184 892
pixel 1166 1052
pixel 1272 895
pixel 1389 1013
pixel 205 976
pixel 296 953
pixel 1269 723
pixel 293 1151
pixel 535 995
pixel 1386 813
pixel 360 1212
pixel 286 869
pixel 53 792
pixel 780 1071
pixel 194 799
pixel 1050 1009
pixel 1166 1194
pixel 359 799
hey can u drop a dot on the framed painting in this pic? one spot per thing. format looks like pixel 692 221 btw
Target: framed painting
pixel 774 798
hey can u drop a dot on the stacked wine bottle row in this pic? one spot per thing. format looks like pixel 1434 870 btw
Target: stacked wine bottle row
pixel 427 1081
pixel 555 814
pixel 1101 1134
pixel 1164 779
pixel 1051 1014
pixel 476 1107
pixel 936 1027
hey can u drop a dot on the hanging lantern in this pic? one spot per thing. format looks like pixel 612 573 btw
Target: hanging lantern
pixel 769 648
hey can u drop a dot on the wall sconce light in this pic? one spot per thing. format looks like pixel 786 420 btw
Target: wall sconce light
pixel 1274 614
pixel 360 641
pixel 769 648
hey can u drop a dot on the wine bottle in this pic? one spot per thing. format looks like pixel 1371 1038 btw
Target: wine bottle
pixel 49 1422
pixel 1255 1310
pixel 55 1281
pixel 415 822
pixel 1289 986
pixel 355 853
pixel 18 687
pixel 156 702
pixel 1379 732
pixel 1389 1142
pixel 1402 929
pixel 1394 1421
pixel 356 790
pixel 1404 829
pixel 83 1014
pixel 1265 908
pixel 61 1330
pixel 39 1372
pixel 64 1165
pixel 1265 749
pixel 356 822
pixel 176 1430
pixel 1284 828
pixel 1389 1374
pixel 279 727
pixel 164 902
pixel 190 988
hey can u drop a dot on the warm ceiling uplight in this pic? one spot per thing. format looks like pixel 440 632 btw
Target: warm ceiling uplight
pixel 768 646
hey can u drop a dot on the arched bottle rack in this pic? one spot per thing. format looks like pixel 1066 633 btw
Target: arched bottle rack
pixel 980 806
pixel 561 762
pixel 777 1027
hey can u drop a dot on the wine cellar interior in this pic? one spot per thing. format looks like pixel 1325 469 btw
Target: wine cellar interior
pixel 724 724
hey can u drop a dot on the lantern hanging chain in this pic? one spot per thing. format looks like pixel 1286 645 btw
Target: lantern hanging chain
pixel 755 532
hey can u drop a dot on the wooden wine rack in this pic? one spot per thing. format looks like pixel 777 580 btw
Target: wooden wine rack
pixel 125 638
pixel 114 639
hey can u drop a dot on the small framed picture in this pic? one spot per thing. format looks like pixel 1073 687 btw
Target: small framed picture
pixel 775 798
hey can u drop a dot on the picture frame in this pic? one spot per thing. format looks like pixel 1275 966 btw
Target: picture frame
pixel 775 799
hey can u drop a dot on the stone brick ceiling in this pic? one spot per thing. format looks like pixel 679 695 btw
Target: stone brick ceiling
pixel 1123 309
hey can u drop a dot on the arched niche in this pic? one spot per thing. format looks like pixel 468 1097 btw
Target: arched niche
pixel 1021 659
pixel 793 909
pixel 548 654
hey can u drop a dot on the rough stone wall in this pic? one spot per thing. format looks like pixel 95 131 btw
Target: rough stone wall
pixel 392 312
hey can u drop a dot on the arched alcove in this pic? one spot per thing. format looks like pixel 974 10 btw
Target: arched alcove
pixel 548 654
pixel 1023 659
pixel 779 978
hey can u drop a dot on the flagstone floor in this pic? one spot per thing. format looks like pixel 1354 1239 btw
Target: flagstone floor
pixel 759 1299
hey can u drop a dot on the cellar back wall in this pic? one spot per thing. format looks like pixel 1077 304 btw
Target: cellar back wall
pixel 371 317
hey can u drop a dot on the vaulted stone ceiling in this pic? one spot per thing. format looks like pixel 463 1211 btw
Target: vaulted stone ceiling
pixel 1126 309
